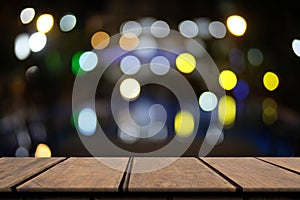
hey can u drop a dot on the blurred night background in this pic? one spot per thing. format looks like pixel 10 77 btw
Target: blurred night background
pixel 39 63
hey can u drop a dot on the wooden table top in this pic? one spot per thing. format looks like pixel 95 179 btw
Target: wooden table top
pixel 230 175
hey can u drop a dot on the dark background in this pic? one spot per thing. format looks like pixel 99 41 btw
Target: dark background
pixel 42 105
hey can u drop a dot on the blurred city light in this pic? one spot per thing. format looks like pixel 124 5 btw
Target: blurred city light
pixel 160 29
pixel 184 124
pixel 227 110
pixel 296 47
pixel 269 111
pixel 100 40
pixel 67 23
pixel 186 63
pixel 130 65
pixel 131 27
pixel 237 25
pixel 130 89
pixel 188 29
pixel 27 15
pixel 227 79
pixel 255 56
pixel 44 23
pixel 208 101
pixel 37 41
pixel 22 48
pixel 160 65
pixel 270 81
pixel 128 41
pixel 87 121
pixel 88 61
pixel 42 151
pixel 217 29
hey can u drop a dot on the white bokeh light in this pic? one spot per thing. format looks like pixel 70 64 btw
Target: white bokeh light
pixel 67 23
pixel 160 29
pixel 87 121
pixel 130 65
pixel 296 47
pixel 160 65
pixel 208 101
pixel 37 41
pixel 217 29
pixel 131 27
pixel 22 49
pixel 188 29
pixel 88 61
pixel 27 15
pixel 130 89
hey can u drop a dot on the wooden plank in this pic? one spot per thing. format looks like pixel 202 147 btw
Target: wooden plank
pixel 183 175
pixel 78 175
pixel 292 163
pixel 254 175
pixel 15 170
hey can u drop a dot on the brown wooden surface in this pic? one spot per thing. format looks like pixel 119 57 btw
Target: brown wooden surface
pixel 287 162
pixel 183 175
pixel 15 170
pixel 78 175
pixel 254 175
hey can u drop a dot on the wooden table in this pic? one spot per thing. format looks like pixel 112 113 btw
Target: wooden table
pixel 186 178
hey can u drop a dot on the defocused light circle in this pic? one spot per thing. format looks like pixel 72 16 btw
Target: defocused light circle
pixel 87 121
pixel 184 124
pixel 203 24
pixel 255 57
pixel 42 151
pixel 44 23
pixel 227 79
pixel 217 29
pixel 22 49
pixel 208 101
pixel 67 23
pixel 237 25
pixel 160 29
pixel 130 65
pixel 227 110
pixel 296 47
pixel 186 63
pixel 131 27
pixel 37 41
pixel 88 61
pixel 241 90
pixel 270 81
pixel 188 29
pixel 128 41
pixel 130 89
pixel 27 15
pixel 100 40
pixel 159 65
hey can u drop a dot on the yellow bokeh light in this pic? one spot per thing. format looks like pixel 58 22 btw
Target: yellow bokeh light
pixel 128 41
pixel 227 110
pixel 269 102
pixel 269 111
pixel 184 124
pixel 186 63
pixel 100 40
pixel 237 25
pixel 130 89
pixel 42 150
pixel 227 79
pixel 271 81
pixel 44 23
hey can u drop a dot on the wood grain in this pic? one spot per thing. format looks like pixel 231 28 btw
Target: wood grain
pixel 183 175
pixel 292 163
pixel 14 170
pixel 78 175
pixel 254 175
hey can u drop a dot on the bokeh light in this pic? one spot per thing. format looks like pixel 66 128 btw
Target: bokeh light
pixel 160 65
pixel 100 40
pixel 76 65
pixel 128 41
pixel 31 73
pixel 130 89
pixel 227 110
pixel 130 65
pixel 208 101
pixel 67 22
pixel 270 81
pixel 88 61
pixel 44 23
pixel 22 152
pixel 37 41
pixel 27 15
pixel 188 29
pixel 296 47
pixel 160 29
pixel 186 63
pixel 255 57
pixel 241 90
pixel 131 27
pixel 227 79
pixel 184 124
pixel 237 25
pixel 217 29
pixel 42 151
pixel 203 24
pixel 269 111
pixel 22 48
pixel 87 121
